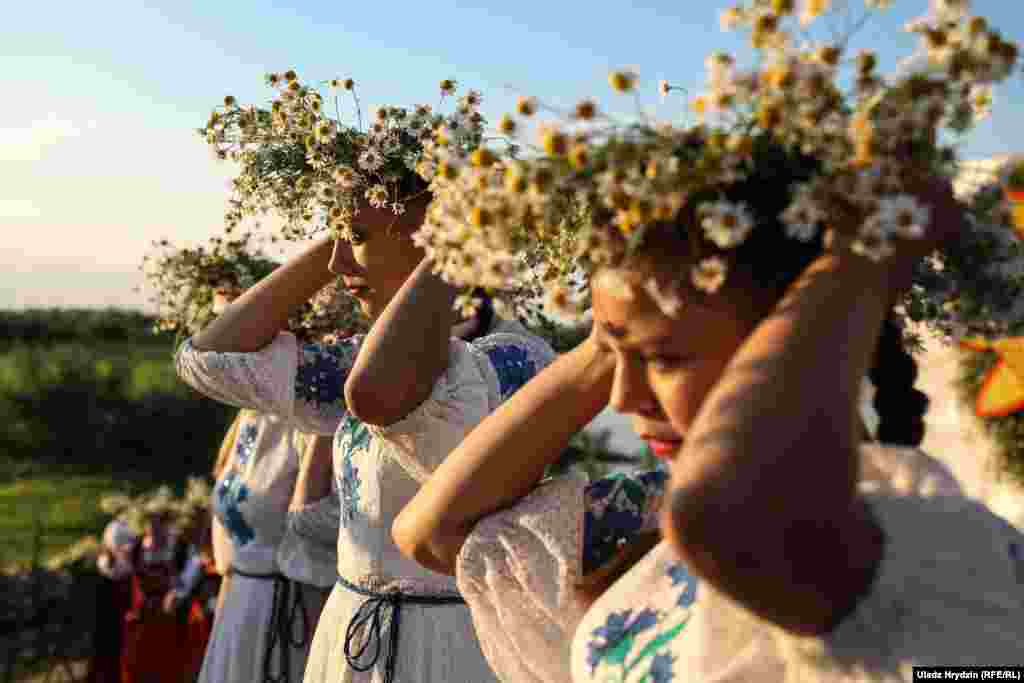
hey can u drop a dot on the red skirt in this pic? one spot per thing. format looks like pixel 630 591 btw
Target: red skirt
pixel 155 644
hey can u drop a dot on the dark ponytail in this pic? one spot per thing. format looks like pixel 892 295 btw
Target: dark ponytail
pixel 484 315
pixel 899 405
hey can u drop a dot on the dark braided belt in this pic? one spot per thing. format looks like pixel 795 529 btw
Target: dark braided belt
pixel 372 614
pixel 287 610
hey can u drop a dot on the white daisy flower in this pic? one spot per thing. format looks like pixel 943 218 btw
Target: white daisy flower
pixel 904 216
pixel 377 196
pixel 371 160
pixel 709 275
pixel 727 224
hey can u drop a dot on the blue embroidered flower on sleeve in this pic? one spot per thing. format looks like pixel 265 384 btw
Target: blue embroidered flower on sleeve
pixel 514 367
pixel 612 642
pixel 617 508
pixel 352 436
pixel 320 377
pixel 245 444
pixel 661 668
pixel 681 577
pixel 228 496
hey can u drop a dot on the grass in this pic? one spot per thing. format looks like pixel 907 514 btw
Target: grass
pixel 64 506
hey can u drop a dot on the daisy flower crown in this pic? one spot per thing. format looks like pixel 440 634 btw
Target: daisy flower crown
pixel 594 186
pixel 186 280
pixel 314 170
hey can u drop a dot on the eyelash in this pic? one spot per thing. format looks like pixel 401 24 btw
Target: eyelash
pixel 658 361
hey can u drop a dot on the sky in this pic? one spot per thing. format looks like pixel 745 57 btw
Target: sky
pixel 98 154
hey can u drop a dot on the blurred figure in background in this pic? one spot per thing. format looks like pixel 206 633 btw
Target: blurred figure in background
pixel 154 637
pixel 113 600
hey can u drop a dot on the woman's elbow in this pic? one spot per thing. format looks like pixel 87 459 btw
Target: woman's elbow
pixel 374 402
pixel 417 545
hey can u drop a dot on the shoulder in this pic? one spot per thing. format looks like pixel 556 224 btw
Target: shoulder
pixel 511 356
pixel 905 471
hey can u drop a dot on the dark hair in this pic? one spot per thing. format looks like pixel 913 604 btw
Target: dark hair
pixel 484 315
pixel 774 262
pixel 899 405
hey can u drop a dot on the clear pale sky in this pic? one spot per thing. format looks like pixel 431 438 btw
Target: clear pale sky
pixel 97 151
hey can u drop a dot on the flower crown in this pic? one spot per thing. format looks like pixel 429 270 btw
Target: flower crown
pixel 185 281
pixel 314 170
pixel 596 185
pixel 181 511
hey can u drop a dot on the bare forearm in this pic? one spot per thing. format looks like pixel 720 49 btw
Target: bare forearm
pixel 405 351
pixel 502 460
pixel 314 481
pixel 773 450
pixel 252 321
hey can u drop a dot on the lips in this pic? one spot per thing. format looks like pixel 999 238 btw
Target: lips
pixel 665 449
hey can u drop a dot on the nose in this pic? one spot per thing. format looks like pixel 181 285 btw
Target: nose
pixel 631 392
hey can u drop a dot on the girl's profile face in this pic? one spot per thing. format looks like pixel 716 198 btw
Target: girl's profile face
pixel 381 257
pixel 664 366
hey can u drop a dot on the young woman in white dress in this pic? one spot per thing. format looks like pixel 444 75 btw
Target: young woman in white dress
pixel 268 603
pixel 741 333
pixel 397 401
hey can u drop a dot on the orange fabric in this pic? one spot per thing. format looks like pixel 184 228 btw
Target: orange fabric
pixel 1002 391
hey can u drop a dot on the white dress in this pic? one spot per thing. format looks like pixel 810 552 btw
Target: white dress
pixel 949 591
pixel 250 502
pixel 378 470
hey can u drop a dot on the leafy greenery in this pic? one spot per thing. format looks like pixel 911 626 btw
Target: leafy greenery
pixel 1016 178
pixel 90 404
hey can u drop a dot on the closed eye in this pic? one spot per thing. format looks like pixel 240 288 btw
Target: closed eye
pixel 667 361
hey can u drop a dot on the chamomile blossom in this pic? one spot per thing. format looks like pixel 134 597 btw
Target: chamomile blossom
pixel 292 150
pixel 727 224
pixel 709 274
pixel 588 198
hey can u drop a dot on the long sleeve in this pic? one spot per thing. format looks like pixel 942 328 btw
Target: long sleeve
pixel 303 384
pixel 519 568
pixel 479 377
pixel 308 552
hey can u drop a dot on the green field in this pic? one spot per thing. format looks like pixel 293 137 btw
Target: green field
pixel 90 405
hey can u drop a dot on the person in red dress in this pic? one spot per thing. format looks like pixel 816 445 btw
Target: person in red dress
pixel 155 637
pixel 114 599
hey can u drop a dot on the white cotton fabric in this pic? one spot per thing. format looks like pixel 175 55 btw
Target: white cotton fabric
pixel 517 571
pixel 265 460
pixel 437 643
pixel 308 552
pixel 947 592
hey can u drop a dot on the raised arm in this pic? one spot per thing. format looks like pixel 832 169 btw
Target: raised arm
pixel 405 351
pixel 253 320
pixel 764 493
pixel 502 460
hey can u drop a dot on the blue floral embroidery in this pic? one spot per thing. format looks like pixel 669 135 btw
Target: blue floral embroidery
pixel 617 508
pixel 614 640
pixel 320 378
pixel 661 668
pixel 351 435
pixel 230 493
pixel 680 576
pixel 514 368
pixel 245 444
